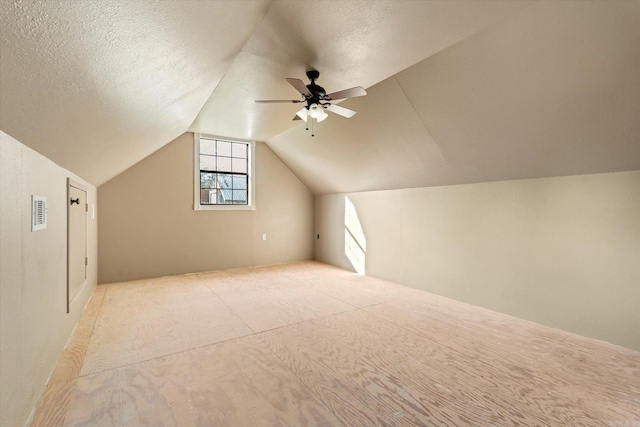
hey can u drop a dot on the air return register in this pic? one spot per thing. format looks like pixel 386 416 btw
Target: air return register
pixel 38 213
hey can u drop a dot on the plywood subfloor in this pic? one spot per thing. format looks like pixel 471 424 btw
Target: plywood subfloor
pixel 306 344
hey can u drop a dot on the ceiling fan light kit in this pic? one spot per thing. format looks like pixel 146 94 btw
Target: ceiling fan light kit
pixel 313 111
pixel 318 100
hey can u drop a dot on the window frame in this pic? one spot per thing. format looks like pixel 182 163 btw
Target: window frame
pixel 251 201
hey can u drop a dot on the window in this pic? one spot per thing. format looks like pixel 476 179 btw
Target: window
pixel 223 173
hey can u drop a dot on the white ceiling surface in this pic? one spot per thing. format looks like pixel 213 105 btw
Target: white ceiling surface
pixel 351 43
pixel 97 86
pixel 553 90
pixel 459 91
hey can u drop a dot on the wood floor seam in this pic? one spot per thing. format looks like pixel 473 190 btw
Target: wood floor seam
pixel 231 309
pixel 52 405
pixel 116 368
pixel 92 329
pixel 304 321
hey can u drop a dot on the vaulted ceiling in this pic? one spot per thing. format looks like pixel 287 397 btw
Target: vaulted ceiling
pixel 459 91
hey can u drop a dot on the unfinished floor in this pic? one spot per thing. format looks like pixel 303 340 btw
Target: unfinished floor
pixel 306 344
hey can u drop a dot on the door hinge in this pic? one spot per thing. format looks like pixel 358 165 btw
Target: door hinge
pixel 86 261
pixel 86 207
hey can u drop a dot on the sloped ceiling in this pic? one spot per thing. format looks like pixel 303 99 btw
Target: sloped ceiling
pixel 351 43
pixel 554 90
pixel 459 92
pixel 97 86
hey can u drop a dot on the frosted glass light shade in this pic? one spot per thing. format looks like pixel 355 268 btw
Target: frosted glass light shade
pixel 315 111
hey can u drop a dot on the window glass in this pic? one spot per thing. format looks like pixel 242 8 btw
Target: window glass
pixel 239 165
pixel 224 172
pixel 224 148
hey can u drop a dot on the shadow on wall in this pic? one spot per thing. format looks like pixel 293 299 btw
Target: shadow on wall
pixel 355 242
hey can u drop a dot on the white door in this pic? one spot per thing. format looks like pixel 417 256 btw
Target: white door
pixel 76 239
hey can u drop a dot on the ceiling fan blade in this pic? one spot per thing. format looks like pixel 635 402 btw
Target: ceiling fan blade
pixel 341 111
pixel 347 93
pixel 272 101
pixel 299 86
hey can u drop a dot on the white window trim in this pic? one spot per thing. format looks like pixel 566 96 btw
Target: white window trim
pixel 251 203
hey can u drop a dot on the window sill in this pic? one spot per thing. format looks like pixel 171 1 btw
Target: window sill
pixel 224 207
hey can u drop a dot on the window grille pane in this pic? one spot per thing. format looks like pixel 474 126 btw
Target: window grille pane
pixel 207 146
pixel 225 181
pixel 207 163
pixel 240 182
pixel 240 150
pixel 224 164
pixel 239 165
pixel 207 197
pixel 224 148
pixel 225 185
pixel 207 180
pixel 240 197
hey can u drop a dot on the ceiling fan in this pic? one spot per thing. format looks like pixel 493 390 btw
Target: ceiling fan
pixel 318 100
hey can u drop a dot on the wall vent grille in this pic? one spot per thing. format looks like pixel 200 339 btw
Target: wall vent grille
pixel 38 213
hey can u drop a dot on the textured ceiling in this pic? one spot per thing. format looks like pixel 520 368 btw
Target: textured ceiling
pixel 351 43
pixel 459 92
pixel 554 90
pixel 97 86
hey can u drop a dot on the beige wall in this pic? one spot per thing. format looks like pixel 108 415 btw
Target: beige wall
pixel 34 326
pixel 148 227
pixel 564 252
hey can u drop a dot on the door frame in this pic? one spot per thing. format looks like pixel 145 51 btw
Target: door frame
pixel 81 187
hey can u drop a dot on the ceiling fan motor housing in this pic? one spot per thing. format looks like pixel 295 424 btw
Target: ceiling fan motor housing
pixel 313 75
pixel 317 92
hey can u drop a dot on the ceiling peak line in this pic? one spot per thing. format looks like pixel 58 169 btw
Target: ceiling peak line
pixel 413 107
pixel 241 50
pixel 258 25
